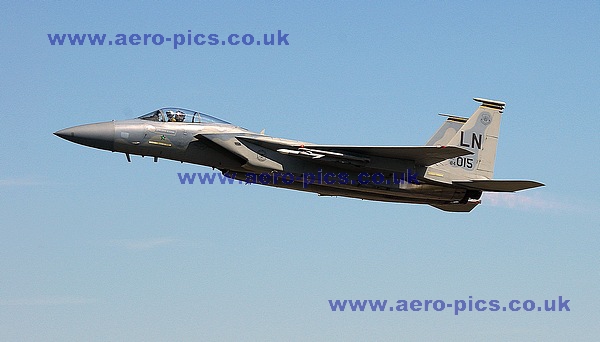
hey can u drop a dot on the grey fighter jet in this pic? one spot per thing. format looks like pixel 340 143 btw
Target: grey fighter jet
pixel 449 173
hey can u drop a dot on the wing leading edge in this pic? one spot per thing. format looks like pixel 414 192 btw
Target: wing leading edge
pixel 422 155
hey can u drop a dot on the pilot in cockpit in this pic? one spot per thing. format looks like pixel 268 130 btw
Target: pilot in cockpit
pixel 179 116
pixel 170 116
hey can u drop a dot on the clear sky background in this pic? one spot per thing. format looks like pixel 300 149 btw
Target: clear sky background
pixel 95 248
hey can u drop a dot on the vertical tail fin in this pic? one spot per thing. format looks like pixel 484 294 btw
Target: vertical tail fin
pixel 448 130
pixel 479 134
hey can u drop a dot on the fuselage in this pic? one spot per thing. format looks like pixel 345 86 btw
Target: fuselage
pixel 218 144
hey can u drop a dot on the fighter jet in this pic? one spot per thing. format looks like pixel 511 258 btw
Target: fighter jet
pixel 450 172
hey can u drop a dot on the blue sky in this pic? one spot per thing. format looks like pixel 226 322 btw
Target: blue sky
pixel 95 248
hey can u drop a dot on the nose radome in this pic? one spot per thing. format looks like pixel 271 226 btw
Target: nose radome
pixel 98 135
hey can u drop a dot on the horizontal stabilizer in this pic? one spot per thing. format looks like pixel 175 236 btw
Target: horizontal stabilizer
pixel 422 155
pixel 498 185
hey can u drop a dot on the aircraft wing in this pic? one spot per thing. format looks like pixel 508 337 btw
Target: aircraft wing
pixel 498 185
pixel 422 155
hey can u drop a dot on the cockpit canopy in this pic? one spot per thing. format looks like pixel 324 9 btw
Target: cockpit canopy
pixel 180 115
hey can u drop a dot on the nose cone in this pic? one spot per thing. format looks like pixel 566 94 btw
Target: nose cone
pixel 97 135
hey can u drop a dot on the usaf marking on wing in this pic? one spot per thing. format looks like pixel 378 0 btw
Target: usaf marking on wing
pixel 453 169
